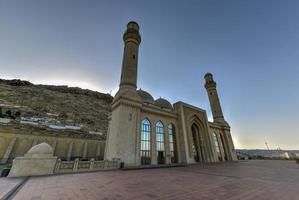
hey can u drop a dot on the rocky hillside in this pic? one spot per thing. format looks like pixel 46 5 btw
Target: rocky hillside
pixel 60 105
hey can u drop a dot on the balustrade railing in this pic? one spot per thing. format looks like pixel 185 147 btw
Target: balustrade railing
pixel 79 166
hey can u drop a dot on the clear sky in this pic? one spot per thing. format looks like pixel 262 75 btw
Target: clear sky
pixel 251 47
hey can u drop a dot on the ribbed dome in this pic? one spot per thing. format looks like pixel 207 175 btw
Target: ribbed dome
pixel 42 148
pixel 163 103
pixel 145 96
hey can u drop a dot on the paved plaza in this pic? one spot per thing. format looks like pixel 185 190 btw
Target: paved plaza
pixel 258 180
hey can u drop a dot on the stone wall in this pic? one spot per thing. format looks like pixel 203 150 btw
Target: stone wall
pixel 14 145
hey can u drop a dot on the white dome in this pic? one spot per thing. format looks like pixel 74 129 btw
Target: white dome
pixel 42 148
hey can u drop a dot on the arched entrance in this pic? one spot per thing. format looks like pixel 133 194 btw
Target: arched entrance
pixel 197 143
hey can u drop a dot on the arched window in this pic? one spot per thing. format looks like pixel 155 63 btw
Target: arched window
pixel 195 146
pixel 217 146
pixel 216 143
pixel 172 143
pixel 224 148
pixel 145 146
pixel 160 142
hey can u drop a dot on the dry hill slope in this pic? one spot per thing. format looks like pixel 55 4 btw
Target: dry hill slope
pixel 61 105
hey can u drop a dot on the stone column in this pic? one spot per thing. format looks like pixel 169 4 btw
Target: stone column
pixel 85 150
pixel 167 147
pixel 177 146
pixel 8 150
pixel 57 166
pixel 204 151
pixel 75 167
pixel 153 144
pixel 91 164
pixel 138 138
pixel 199 146
pixel 225 148
pixel 69 153
pixel 221 148
pixel 98 152
pixel 231 145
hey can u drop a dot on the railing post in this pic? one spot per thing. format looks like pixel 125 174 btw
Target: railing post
pixel 75 168
pixel 106 164
pixel 57 166
pixel 118 163
pixel 91 164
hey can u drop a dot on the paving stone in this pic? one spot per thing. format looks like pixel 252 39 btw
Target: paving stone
pixel 246 180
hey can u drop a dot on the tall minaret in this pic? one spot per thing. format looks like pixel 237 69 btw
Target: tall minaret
pixel 132 40
pixel 210 86
pixel 123 132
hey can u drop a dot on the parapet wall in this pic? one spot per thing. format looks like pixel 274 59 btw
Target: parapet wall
pixel 16 145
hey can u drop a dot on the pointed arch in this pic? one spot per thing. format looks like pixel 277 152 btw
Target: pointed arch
pixel 196 146
pixel 200 141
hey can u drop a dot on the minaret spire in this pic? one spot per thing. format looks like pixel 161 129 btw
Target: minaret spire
pixel 132 40
pixel 210 86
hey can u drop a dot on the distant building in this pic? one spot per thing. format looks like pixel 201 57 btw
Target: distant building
pixel 272 154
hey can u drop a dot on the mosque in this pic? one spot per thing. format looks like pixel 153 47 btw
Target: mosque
pixel 144 131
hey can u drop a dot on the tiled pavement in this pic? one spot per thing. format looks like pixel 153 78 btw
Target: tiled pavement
pixel 258 180
pixel 6 184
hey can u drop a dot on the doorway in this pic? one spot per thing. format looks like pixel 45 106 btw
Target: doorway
pixel 161 159
pixel 196 147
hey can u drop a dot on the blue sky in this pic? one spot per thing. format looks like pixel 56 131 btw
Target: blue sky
pixel 251 47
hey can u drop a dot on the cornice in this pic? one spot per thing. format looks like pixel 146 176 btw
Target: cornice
pixel 158 111
pixel 122 100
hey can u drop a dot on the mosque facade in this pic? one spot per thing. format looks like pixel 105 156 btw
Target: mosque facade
pixel 145 131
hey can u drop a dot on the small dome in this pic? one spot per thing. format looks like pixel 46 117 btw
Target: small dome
pixel 42 148
pixel 163 103
pixel 145 96
pixel 133 25
pixel 208 74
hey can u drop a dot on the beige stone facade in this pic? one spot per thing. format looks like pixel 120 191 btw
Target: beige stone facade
pixel 144 131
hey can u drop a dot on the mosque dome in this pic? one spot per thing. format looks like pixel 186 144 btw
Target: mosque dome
pixel 145 96
pixel 163 103
pixel 42 148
